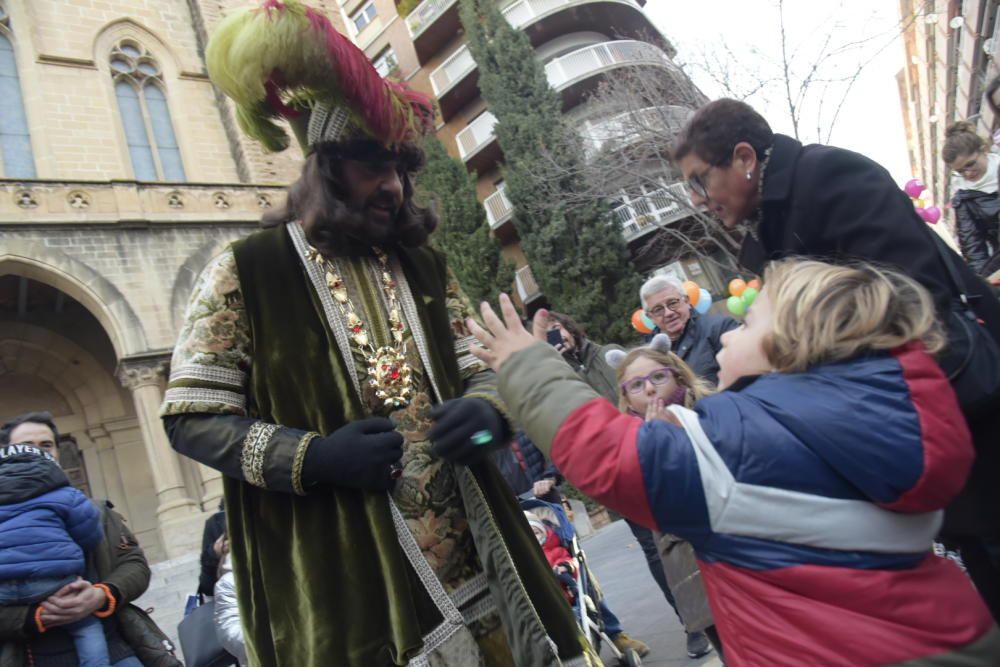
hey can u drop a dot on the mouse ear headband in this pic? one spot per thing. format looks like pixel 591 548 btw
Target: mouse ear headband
pixel 660 343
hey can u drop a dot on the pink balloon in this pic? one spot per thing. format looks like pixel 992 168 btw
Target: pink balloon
pixel 933 214
pixel 914 187
pixel 922 212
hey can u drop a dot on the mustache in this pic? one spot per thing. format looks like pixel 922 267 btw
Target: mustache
pixel 383 200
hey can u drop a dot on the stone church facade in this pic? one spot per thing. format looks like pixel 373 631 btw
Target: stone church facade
pixel 122 173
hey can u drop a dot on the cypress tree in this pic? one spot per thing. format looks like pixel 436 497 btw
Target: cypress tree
pixel 463 234
pixel 577 253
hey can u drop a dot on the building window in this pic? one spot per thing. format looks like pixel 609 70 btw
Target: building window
pixel 145 116
pixel 385 62
pixel 363 16
pixel 16 159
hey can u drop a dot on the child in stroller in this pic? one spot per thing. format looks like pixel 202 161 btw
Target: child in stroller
pixel 557 537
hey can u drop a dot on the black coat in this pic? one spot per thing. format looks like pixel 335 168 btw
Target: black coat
pixel 833 204
pixel 701 341
pixel 976 220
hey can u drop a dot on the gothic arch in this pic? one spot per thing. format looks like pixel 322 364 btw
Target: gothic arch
pixel 97 294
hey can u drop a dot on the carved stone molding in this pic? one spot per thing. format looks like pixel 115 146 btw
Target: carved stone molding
pixel 137 372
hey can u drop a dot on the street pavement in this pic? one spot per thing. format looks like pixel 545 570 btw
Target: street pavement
pixel 618 563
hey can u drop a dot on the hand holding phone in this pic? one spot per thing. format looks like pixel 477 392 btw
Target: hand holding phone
pixel 554 337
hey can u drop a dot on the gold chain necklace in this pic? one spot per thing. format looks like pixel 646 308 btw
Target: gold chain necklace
pixel 388 371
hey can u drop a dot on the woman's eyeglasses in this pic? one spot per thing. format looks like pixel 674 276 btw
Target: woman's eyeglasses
pixel 658 377
pixel 697 183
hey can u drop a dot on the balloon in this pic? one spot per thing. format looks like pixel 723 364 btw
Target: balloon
pixel 922 212
pixel 914 187
pixel 736 305
pixel 933 214
pixel 754 284
pixel 704 302
pixel 749 296
pixel 693 292
pixel 638 324
pixel 736 286
pixel 648 322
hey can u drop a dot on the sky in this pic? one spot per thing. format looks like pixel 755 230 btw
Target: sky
pixel 870 120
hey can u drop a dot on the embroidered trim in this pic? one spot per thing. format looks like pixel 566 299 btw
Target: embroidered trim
pixel 254 448
pixel 199 395
pixel 469 589
pixel 578 661
pixel 298 460
pixel 217 374
pixel 479 610
pixel 416 330
pixel 462 344
pixel 467 361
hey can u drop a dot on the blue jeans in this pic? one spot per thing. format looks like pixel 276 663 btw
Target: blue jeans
pixel 612 626
pixel 87 633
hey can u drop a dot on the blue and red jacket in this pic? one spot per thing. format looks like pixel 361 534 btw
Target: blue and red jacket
pixel 811 501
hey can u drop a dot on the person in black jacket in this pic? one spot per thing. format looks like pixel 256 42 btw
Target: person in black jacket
pixel 215 526
pixel 694 338
pixel 836 205
pixel 976 202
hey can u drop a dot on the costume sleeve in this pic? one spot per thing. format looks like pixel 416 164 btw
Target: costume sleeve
pixel 265 455
pixel 480 381
pixel 205 408
pixel 208 372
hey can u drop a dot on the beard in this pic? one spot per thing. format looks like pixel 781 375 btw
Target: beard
pixel 348 231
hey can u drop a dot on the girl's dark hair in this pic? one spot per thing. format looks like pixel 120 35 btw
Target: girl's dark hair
pixel 574 328
pixel 961 139
pixel 321 195
pixel 714 130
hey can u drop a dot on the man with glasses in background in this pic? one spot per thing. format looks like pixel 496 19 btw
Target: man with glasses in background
pixel 693 337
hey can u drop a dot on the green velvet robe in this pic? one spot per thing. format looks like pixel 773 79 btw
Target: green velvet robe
pixel 322 578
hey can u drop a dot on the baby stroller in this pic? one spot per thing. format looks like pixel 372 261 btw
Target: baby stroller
pixel 587 593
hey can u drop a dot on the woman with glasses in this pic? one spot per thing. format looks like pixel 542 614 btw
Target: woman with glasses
pixel 834 204
pixel 975 201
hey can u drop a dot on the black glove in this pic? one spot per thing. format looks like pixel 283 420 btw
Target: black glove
pixel 457 421
pixel 357 456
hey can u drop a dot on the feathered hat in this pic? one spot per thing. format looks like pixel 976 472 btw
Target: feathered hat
pixel 286 60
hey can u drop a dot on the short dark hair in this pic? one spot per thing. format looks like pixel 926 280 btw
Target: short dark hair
pixel 714 130
pixel 320 193
pixel 574 328
pixel 41 417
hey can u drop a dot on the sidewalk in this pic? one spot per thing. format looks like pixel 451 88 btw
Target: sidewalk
pixel 618 563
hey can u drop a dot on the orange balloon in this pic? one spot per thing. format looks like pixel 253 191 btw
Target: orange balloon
pixel 754 284
pixel 736 286
pixel 638 324
pixel 693 292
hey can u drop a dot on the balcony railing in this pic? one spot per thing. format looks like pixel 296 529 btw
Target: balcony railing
pixel 479 133
pixel 452 70
pixel 425 14
pixel 596 58
pixel 523 12
pixel 629 127
pixel 527 288
pixel 498 209
pixel 659 207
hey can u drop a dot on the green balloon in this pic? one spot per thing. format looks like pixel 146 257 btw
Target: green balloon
pixel 749 296
pixel 736 305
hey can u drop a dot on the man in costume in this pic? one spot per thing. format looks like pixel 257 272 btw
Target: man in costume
pixel 323 367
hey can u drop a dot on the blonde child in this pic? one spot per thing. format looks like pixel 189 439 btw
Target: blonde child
pixel 811 487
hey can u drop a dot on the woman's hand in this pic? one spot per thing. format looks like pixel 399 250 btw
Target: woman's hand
pixel 501 339
pixel 658 410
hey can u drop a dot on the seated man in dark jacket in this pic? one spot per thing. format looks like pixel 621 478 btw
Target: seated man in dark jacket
pixel 30 633
pixel 693 337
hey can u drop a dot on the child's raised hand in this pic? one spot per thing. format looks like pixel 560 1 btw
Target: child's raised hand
pixel 500 339
pixel 658 410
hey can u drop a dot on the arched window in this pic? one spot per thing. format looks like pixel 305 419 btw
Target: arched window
pixel 15 142
pixel 145 116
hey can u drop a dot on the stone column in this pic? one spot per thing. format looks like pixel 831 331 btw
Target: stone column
pixel 180 517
